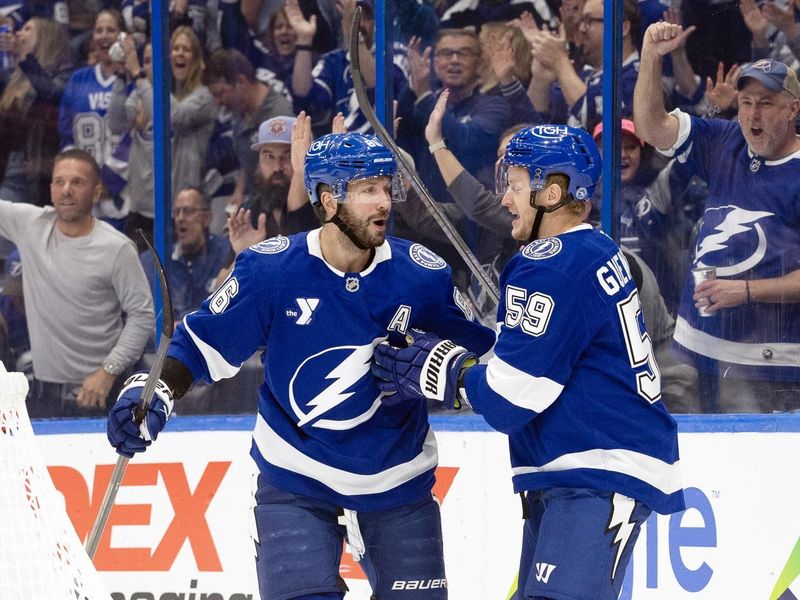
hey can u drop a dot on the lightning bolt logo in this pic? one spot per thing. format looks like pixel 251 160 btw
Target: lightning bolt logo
pixel 735 222
pixel 343 377
pixel 621 521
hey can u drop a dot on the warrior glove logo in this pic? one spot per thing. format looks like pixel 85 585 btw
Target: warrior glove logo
pixel 434 369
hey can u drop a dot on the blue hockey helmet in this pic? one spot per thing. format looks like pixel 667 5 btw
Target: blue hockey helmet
pixel 551 149
pixel 337 159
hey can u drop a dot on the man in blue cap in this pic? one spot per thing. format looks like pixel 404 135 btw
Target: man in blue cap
pixel 271 212
pixel 746 348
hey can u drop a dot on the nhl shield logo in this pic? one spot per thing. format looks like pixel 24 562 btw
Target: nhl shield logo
pixel 352 284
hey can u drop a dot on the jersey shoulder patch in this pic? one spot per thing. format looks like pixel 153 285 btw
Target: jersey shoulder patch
pixel 426 258
pixel 272 245
pixel 542 249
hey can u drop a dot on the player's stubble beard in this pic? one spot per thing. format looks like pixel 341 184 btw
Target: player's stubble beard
pixel 360 227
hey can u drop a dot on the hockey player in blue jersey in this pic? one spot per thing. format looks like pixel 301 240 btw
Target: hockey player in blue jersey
pixel 335 454
pixel 572 382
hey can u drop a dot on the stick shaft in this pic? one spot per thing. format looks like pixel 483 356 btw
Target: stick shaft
pixel 167 325
pixel 419 187
pixel 106 506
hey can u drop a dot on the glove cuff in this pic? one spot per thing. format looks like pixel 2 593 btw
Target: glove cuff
pixel 469 360
pixel 161 391
pixel 458 367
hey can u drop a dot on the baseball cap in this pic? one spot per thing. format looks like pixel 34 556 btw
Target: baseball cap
pixel 627 127
pixel 772 74
pixel 12 283
pixel 277 130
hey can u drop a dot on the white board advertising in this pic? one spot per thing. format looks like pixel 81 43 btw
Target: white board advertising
pixel 181 527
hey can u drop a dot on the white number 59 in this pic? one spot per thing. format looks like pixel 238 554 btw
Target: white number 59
pixel 529 313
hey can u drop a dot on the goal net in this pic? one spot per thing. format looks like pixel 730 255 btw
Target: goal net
pixel 41 557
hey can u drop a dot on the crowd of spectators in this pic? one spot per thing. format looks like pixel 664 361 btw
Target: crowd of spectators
pixel 709 160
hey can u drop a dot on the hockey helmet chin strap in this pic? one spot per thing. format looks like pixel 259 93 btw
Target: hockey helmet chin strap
pixel 540 212
pixel 345 228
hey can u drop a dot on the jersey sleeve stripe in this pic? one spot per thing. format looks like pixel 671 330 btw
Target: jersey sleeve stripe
pixel 783 355
pixel 520 388
pixel 324 86
pixel 280 453
pixel 218 367
pixel 663 476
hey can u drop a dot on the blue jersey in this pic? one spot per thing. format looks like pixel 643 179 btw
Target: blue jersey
pixel 588 109
pixel 573 381
pixel 322 430
pixel 750 230
pixel 82 120
pixel 332 90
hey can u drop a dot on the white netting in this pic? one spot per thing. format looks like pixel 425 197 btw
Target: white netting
pixel 41 557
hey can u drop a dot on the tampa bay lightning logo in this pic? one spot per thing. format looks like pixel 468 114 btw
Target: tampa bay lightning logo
pixel 732 239
pixel 541 249
pixel 427 258
pixel 334 389
pixel 272 245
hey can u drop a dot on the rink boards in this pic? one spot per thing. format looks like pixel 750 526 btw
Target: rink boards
pixel 181 529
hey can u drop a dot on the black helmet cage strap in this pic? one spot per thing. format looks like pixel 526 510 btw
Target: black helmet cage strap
pixel 541 210
pixel 345 228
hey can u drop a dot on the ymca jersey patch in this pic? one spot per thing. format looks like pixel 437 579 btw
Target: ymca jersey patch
pixel 272 245
pixel 542 249
pixel 426 258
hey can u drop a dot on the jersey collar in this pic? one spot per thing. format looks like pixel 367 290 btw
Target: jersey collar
pixel 382 253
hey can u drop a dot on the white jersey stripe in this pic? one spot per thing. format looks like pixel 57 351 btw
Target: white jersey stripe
pixel 218 367
pixel 662 476
pixel 520 388
pixel 783 354
pixel 280 453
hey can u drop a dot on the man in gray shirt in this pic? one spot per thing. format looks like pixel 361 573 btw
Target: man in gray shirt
pixel 80 276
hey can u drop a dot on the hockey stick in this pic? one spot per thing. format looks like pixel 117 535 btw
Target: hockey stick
pixel 419 187
pixel 167 325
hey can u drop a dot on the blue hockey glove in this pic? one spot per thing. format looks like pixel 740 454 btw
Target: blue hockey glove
pixel 428 368
pixel 126 435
